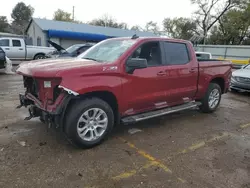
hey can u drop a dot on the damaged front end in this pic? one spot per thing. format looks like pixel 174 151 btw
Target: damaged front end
pixel 45 98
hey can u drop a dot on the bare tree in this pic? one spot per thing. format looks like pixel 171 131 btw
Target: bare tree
pixel 209 13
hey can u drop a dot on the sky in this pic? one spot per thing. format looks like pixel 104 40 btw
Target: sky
pixel 132 12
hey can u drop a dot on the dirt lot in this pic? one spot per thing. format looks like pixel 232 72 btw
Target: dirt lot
pixel 187 149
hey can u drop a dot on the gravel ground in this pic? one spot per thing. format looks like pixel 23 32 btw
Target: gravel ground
pixel 187 149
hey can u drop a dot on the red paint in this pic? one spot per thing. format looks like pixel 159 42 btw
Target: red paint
pixel 137 92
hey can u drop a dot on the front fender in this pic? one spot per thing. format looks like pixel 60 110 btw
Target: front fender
pixel 86 84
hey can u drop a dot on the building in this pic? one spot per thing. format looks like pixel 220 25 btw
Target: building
pixel 68 33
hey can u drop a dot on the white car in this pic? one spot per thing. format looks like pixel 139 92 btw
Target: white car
pixel 203 55
pixel 240 80
pixel 16 49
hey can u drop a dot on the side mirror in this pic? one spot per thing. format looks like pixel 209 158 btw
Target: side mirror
pixel 135 63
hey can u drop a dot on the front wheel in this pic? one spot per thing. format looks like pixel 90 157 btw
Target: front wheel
pixel 89 122
pixel 39 56
pixel 212 98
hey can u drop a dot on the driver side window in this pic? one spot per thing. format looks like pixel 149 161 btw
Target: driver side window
pixel 150 51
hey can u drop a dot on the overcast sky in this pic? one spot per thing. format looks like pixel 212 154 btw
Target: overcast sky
pixel 133 12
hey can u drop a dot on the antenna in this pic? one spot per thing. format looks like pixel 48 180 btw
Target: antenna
pixel 73 14
pixel 134 36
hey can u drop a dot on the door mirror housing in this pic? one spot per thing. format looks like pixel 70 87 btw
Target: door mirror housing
pixel 135 63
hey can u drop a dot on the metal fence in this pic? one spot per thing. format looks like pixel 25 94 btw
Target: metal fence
pixel 226 51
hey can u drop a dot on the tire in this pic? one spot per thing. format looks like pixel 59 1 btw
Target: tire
pixel 76 123
pixel 41 120
pixel 213 90
pixel 234 90
pixel 39 56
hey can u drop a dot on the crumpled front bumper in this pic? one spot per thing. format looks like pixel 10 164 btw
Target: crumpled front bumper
pixel 48 112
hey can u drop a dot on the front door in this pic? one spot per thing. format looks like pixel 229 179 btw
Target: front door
pixel 144 90
pixel 182 72
pixel 18 52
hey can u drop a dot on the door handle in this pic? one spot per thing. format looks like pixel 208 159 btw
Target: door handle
pixel 161 73
pixel 20 49
pixel 7 48
pixel 192 70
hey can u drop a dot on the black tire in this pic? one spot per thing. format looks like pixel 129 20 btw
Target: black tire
pixel 39 56
pixel 205 101
pixel 76 111
pixel 42 120
pixel 234 90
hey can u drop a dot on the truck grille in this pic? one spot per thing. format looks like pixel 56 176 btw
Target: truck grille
pixel 243 80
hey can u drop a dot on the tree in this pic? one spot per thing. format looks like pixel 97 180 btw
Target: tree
pixel 21 15
pixel 208 12
pixel 152 27
pixel 181 28
pixel 4 25
pixel 61 15
pixel 233 27
pixel 108 21
pixel 136 28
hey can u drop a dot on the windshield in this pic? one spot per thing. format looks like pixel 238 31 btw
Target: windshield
pixel 247 67
pixel 107 51
pixel 73 48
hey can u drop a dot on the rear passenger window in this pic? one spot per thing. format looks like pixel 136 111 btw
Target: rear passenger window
pixel 176 53
pixel 16 43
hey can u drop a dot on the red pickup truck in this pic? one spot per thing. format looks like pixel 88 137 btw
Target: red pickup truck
pixel 121 80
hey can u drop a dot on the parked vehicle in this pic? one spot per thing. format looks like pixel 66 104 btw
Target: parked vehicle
pixel 240 80
pixel 121 80
pixel 16 49
pixel 2 59
pixel 71 51
pixel 203 55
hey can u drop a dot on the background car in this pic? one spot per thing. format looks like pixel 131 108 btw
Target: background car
pixel 203 55
pixel 2 59
pixel 71 51
pixel 16 49
pixel 240 80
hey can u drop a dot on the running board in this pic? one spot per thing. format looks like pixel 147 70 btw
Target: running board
pixel 161 112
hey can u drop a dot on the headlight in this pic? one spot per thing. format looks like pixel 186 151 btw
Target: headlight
pixel 47 84
pixel 233 78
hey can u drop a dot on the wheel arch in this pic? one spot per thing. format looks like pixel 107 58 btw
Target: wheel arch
pixel 106 96
pixel 220 81
pixel 40 53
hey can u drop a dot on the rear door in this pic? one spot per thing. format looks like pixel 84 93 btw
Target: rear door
pixel 182 72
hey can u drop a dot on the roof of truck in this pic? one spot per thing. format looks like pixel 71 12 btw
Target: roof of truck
pixel 152 38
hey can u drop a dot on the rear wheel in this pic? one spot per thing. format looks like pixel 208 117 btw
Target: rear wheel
pixel 89 122
pixel 212 98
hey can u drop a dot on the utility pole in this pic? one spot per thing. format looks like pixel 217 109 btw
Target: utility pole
pixel 73 14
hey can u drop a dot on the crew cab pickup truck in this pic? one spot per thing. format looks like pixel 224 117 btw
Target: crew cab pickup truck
pixel 121 80
pixel 16 49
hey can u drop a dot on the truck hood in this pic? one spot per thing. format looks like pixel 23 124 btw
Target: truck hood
pixel 242 73
pixel 53 67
